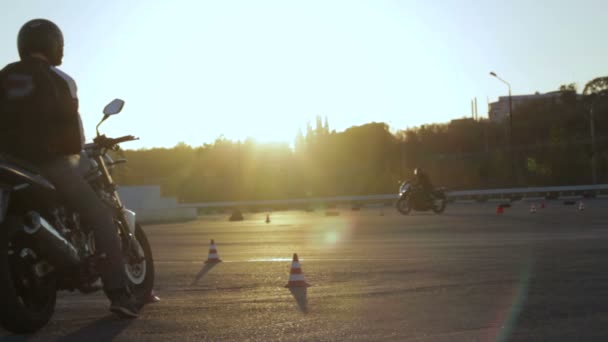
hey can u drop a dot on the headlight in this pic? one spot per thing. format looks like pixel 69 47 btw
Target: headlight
pixel 109 161
pixel 92 169
pixel 94 164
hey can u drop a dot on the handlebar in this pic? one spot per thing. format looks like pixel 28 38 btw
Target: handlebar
pixel 105 142
pixel 125 138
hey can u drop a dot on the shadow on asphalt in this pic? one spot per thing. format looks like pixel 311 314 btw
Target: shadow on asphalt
pixel 104 329
pixel 202 273
pixel 300 295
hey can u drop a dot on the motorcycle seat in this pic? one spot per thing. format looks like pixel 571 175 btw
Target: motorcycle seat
pixel 25 165
pixel 15 170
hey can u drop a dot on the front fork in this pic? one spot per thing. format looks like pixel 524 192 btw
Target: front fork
pixel 125 216
pixel 133 249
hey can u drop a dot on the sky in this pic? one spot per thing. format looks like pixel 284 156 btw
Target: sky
pixel 191 71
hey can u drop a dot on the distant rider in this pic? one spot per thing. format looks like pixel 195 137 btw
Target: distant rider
pixel 40 124
pixel 423 182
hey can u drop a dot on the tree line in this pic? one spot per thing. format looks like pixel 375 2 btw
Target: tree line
pixel 551 145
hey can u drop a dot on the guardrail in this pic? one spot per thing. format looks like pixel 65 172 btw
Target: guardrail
pixel 553 191
pixel 536 190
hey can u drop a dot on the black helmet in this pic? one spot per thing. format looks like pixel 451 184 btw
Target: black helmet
pixel 41 36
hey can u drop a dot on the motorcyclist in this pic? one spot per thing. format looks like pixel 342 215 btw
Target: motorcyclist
pixel 40 124
pixel 423 182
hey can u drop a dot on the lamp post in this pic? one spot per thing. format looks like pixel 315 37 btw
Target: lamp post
pixel 510 126
pixel 593 93
pixel 594 99
pixel 593 153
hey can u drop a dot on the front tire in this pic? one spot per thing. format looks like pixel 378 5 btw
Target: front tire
pixel 403 206
pixel 26 302
pixel 140 276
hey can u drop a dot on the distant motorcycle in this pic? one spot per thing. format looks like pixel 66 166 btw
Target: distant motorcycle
pixel 414 198
pixel 45 248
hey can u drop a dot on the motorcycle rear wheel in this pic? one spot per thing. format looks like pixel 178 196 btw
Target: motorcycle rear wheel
pixel 438 209
pixel 26 303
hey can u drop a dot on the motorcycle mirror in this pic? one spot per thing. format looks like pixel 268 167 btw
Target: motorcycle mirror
pixel 113 107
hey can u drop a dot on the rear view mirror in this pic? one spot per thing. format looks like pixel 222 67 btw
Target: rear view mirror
pixel 113 107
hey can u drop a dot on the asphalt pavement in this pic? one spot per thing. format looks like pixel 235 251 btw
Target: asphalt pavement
pixel 375 275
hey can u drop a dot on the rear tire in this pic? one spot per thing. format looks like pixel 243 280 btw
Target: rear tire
pixel 439 209
pixel 23 309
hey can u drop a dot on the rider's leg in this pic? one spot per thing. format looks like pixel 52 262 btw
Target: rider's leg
pixel 64 173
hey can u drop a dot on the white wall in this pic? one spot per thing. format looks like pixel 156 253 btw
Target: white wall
pixel 149 206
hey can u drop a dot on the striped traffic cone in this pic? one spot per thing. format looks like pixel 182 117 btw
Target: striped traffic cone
pixel 533 209
pixel 296 277
pixel 581 206
pixel 213 257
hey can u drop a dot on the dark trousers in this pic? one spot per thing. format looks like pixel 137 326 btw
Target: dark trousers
pixel 67 175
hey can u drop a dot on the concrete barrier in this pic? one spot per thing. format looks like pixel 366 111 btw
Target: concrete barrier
pixel 505 194
pixel 150 207
pixel 147 200
pixel 165 215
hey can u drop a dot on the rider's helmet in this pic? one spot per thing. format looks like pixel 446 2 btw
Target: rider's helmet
pixel 418 171
pixel 41 36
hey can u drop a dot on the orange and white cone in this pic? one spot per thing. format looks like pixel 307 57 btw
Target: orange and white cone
pixel 213 255
pixel 581 206
pixel 533 209
pixel 296 277
pixel 499 210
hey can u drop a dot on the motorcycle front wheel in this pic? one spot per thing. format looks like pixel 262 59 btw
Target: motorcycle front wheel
pixel 403 206
pixel 140 275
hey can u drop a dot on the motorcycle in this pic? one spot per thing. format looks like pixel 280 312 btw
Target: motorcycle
pixel 44 248
pixel 414 198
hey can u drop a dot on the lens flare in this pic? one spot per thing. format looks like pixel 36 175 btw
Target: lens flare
pixel 333 233
pixel 331 237
pixel 508 318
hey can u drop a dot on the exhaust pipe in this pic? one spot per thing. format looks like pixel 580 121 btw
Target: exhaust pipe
pixel 59 251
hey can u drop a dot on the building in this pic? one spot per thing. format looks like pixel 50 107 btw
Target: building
pixel 499 111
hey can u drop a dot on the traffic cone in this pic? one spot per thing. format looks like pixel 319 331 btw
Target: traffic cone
pixel 296 277
pixel 213 257
pixel 499 210
pixel 533 208
pixel 581 206
pixel 267 218
pixel 542 205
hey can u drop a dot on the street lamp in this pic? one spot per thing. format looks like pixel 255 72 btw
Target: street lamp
pixel 593 91
pixel 492 73
pixel 594 99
